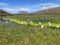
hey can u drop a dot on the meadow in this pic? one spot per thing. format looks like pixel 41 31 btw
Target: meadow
pixel 30 35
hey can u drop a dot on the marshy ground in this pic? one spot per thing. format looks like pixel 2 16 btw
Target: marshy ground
pixel 30 35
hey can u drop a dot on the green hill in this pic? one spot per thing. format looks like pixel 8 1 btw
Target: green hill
pixel 3 13
pixel 50 11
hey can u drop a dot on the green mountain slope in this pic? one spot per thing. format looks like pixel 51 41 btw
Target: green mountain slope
pixel 51 11
pixel 3 13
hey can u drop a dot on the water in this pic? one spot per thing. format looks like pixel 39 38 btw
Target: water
pixel 8 22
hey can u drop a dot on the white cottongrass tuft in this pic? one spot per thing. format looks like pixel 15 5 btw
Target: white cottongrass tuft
pixel 57 26
pixel 49 23
pixel 40 23
pixel 21 23
pixel 42 26
pixel 31 22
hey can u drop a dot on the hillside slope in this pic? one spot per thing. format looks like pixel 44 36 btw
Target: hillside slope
pixel 4 13
pixel 51 11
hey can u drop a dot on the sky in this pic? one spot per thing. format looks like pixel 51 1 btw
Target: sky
pixel 14 6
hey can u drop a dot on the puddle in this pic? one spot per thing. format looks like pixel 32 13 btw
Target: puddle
pixel 7 22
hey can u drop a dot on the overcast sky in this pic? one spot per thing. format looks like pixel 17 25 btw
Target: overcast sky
pixel 14 6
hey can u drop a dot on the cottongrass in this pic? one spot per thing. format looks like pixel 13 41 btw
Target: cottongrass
pixel 40 23
pixel 57 26
pixel 49 23
pixel 42 26
pixel 33 23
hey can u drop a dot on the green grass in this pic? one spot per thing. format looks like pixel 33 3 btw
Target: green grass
pixel 30 35
pixel 31 23
pixel 37 18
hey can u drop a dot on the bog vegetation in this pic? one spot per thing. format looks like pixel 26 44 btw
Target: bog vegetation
pixel 31 30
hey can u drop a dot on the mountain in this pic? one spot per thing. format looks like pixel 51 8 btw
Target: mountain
pixel 3 13
pixel 22 12
pixel 50 11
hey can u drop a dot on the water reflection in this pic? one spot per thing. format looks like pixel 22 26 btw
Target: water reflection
pixel 7 22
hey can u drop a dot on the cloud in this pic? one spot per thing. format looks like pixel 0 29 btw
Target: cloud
pixel 24 9
pixel 46 4
pixel 43 6
pixel 50 6
pixel 3 4
pixel 15 10
pixel 8 10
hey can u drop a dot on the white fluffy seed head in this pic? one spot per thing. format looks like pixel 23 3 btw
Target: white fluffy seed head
pixel 57 26
pixel 31 22
pixel 42 26
pixel 21 23
pixel 49 23
pixel 40 23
